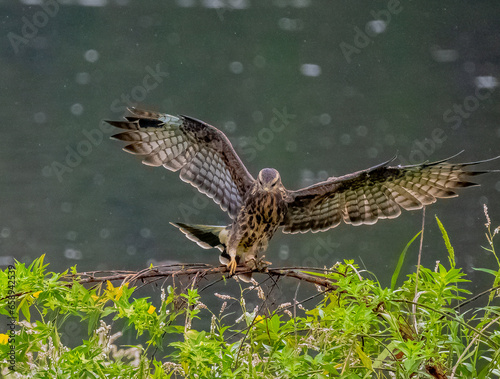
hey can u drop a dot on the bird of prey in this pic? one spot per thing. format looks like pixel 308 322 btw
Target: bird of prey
pixel 259 207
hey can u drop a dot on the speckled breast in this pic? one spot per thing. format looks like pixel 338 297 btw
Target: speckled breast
pixel 261 217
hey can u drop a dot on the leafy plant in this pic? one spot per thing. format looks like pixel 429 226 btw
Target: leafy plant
pixel 357 329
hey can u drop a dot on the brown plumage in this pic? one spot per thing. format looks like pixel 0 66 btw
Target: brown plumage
pixel 258 207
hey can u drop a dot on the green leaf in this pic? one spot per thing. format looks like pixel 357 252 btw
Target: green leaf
pixel 400 262
pixel 314 273
pixel 492 272
pixel 365 359
pixel 24 307
pixel 451 251
pixel 94 318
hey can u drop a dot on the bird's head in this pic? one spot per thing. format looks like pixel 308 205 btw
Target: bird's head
pixel 269 179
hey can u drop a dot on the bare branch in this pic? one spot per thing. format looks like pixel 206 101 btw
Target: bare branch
pixel 200 270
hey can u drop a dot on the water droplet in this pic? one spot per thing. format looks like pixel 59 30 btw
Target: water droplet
pixel 71 235
pixel 488 82
pixel 91 55
pixel 82 78
pixel 77 109
pixel 284 252
pixel 236 67
pixel 73 254
pixel 377 26
pixel 345 139
pixel 145 232
pixel 325 119
pixel 362 131
pixel 5 232
pixel 40 117
pixel 444 55
pixel 310 69
pixel 104 233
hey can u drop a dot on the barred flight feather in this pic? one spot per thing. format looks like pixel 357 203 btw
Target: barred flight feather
pixel 202 153
pixel 380 192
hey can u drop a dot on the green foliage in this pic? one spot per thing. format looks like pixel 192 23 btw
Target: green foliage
pixel 446 239
pixel 401 259
pixel 358 330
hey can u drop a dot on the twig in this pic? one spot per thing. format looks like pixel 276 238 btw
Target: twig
pixel 295 312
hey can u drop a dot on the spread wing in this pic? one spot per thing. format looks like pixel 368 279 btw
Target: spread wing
pixel 380 192
pixel 202 153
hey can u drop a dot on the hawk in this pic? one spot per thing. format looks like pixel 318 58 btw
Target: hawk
pixel 259 207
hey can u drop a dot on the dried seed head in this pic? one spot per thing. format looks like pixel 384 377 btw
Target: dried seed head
pixel 488 221
pixel 212 324
pixel 239 319
pixel 260 293
pixel 223 297
pixel 284 305
pixel 200 305
pixel 222 309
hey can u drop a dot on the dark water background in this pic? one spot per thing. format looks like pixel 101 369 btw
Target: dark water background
pixel 363 81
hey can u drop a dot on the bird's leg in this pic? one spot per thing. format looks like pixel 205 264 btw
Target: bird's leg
pixel 232 265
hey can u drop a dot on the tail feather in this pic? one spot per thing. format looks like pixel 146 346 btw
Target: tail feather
pixel 209 237
pixel 206 236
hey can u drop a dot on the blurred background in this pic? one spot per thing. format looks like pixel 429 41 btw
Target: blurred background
pixel 311 88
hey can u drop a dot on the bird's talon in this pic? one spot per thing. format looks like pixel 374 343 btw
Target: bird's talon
pixel 262 265
pixel 232 266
